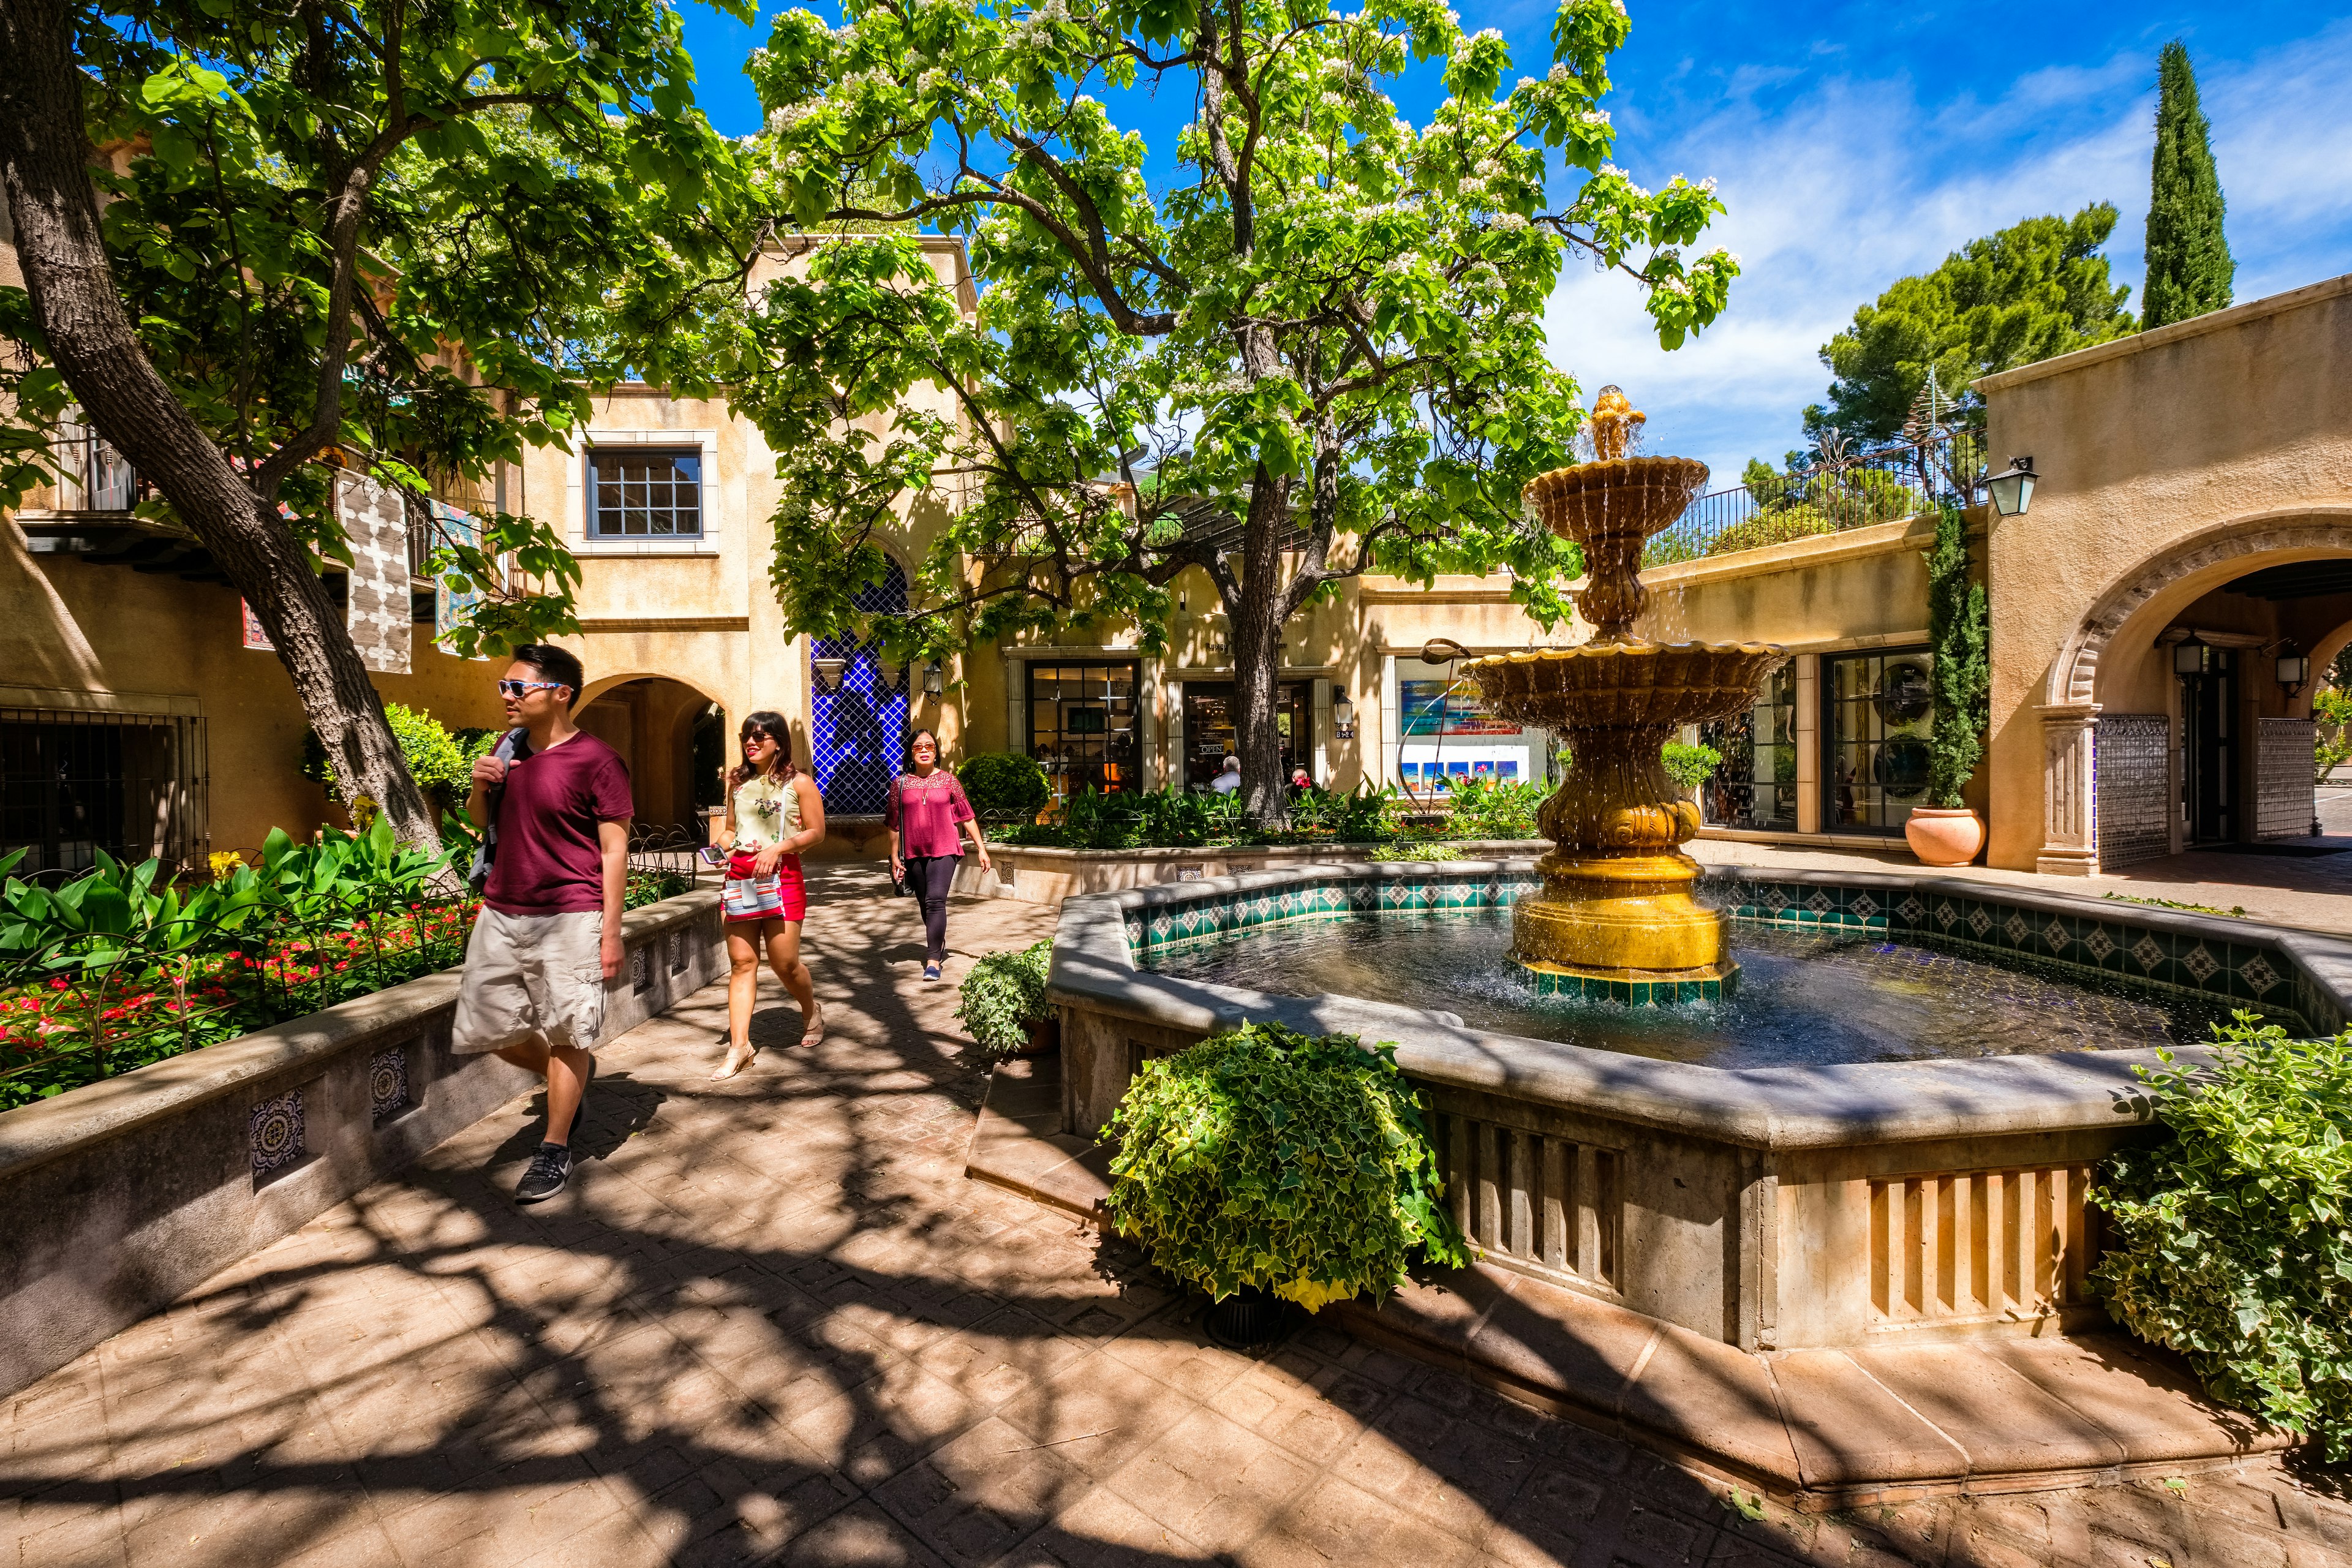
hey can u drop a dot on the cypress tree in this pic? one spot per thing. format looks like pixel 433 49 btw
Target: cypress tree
pixel 2188 264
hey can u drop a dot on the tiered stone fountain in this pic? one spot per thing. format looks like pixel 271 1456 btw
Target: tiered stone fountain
pixel 1615 918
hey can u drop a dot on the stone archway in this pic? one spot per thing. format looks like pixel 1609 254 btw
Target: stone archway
pixel 645 715
pixel 2070 709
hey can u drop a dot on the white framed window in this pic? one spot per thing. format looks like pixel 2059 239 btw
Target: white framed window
pixel 644 492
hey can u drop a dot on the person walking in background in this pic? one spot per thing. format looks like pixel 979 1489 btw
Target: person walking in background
pixel 927 807
pixel 553 802
pixel 774 812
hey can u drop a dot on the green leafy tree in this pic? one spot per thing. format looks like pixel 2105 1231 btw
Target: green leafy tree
pixel 1959 631
pixel 2188 267
pixel 1317 350
pixel 2031 290
pixel 405 237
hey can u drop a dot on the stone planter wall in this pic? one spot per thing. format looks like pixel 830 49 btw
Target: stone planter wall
pixel 1770 1208
pixel 117 1198
pixel 1049 875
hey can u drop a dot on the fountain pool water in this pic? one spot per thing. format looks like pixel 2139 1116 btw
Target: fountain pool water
pixel 1804 998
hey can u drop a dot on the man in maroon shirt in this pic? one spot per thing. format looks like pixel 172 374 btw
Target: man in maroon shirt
pixel 556 801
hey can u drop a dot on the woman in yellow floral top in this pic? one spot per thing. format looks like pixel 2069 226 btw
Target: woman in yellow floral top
pixel 774 812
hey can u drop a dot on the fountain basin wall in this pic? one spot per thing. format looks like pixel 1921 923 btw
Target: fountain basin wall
pixel 1772 1208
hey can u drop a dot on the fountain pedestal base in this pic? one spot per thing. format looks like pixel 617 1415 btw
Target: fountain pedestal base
pixel 1622 928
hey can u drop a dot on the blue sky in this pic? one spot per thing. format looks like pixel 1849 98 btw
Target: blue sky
pixel 1853 145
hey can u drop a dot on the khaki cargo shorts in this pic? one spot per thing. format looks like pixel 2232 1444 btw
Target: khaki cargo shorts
pixel 530 977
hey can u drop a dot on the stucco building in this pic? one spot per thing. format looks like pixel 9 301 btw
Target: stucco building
pixel 2194 479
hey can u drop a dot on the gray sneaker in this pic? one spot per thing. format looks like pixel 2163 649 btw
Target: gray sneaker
pixel 551 1168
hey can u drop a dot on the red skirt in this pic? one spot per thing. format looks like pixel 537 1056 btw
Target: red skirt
pixel 780 895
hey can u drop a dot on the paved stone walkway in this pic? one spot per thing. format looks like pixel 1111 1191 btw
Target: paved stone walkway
pixel 771 1321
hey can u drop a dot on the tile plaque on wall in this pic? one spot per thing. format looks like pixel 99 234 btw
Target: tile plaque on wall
pixel 387 1084
pixel 275 1133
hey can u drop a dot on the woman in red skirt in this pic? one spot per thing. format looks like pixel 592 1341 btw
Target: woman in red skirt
pixel 774 812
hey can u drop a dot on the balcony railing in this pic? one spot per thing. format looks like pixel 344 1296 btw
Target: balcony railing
pixel 1878 486
pixel 95 475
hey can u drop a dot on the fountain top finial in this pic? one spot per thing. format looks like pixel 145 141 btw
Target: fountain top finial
pixel 1614 422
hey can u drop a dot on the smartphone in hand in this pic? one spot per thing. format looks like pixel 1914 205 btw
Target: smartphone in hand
pixel 712 854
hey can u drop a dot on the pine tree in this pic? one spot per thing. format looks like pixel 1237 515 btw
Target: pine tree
pixel 2188 264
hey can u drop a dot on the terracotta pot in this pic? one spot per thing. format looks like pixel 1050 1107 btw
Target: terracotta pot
pixel 1943 836
pixel 1045 1038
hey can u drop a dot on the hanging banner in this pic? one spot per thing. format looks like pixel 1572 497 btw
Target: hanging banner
pixel 452 608
pixel 376 525
pixel 255 637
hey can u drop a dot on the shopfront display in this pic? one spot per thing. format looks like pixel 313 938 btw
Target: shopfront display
pixel 1446 734
pixel 1755 786
pixel 1210 712
pixel 1082 726
pixel 1878 714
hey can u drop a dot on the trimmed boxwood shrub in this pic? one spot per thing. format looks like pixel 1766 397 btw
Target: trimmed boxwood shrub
pixel 1268 1158
pixel 1005 787
pixel 1003 995
pixel 2229 1241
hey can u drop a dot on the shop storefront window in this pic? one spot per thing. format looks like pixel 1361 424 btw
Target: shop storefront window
pixel 1446 735
pixel 1210 712
pixel 1755 786
pixel 1082 726
pixel 1878 713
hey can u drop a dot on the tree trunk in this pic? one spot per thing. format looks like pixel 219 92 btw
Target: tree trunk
pixel 43 162
pixel 1256 611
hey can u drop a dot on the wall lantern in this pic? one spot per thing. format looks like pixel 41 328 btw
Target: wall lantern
pixel 1343 714
pixel 2189 656
pixel 2013 489
pixel 932 680
pixel 828 673
pixel 2294 670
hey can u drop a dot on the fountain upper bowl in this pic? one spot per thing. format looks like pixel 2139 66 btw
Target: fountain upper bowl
pixel 1617 498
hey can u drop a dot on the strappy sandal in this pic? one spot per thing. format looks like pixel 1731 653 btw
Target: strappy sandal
pixel 815 1032
pixel 731 1066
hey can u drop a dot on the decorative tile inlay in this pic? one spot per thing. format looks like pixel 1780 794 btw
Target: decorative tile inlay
pixel 2099 943
pixel 2016 928
pixel 387 1083
pixel 1821 902
pixel 2200 963
pixel 1911 908
pixel 1863 905
pixel 276 1132
pixel 1775 899
pixel 677 950
pixel 641 968
pixel 2056 934
pixel 2257 973
pixel 2148 953
pixel 1945 914
pixel 1979 920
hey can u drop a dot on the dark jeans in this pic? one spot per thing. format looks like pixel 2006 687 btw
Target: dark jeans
pixel 930 876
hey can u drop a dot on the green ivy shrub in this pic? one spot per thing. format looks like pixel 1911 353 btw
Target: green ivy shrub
pixel 1961 631
pixel 2229 1240
pixel 1003 995
pixel 1777 527
pixel 1005 787
pixel 1689 765
pixel 442 768
pixel 1269 1158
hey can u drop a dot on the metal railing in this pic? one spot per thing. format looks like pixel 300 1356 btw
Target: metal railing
pixel 1882 485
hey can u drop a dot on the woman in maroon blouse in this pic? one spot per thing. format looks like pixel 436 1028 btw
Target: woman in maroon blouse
pixel 927 807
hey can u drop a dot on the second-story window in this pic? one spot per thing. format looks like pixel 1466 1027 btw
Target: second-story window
pixel 639 494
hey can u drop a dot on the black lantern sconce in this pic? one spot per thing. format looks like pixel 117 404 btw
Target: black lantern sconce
pixel 934 681
pixel 2189 656
pixel 2294 669
pixel 2013 489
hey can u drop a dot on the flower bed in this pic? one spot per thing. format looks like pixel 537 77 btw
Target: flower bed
pixel 112 972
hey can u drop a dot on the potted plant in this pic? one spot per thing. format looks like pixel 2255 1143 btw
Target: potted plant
pixel 1266 1162
pixel 1946 832
pixel 1002 1003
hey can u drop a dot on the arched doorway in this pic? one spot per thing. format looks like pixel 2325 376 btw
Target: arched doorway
pixel 2166 727
pixel 857 720
pixel 664 729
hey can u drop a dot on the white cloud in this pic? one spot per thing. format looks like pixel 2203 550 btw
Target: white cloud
pixel 1857 183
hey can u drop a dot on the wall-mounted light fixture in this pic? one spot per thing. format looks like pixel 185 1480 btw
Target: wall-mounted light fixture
pixel 2294 669
pixel 2189 655
pixel 828 673
pixel 2013 489
pixel 934 681
pixel 1343 715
